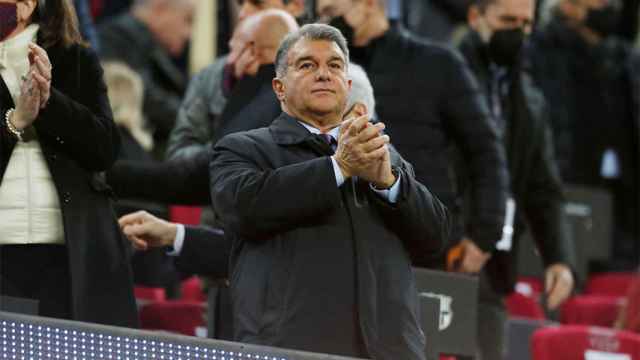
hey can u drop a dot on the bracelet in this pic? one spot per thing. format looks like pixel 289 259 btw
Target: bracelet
pixel 12 129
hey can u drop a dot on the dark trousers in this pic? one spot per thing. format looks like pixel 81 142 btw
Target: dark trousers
pixel 491 338
pixel 38 272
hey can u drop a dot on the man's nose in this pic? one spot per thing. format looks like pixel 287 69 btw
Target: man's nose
pixel 323 73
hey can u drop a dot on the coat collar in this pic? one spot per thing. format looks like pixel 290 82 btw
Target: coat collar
pixel 287 130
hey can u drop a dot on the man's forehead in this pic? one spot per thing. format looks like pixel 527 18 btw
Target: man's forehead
pixel 317 49
pixel 517 7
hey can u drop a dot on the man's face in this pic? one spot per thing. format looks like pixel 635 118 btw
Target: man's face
pixel 582 7
pixel 505 15
pixel 250 7
pixel 174 23
pixel 327 9
pixel 316 79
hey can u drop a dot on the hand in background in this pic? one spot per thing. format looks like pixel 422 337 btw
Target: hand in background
pixel 145 230
pixel 558 284
pixel 473 258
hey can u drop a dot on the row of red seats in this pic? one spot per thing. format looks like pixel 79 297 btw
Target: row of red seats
pixel 600 304
pixel 577 342
pixel 182 316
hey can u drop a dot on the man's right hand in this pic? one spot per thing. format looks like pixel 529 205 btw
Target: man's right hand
pixel 361 148
pixel 145 230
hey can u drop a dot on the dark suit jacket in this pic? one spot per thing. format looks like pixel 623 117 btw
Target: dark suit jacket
pixel 317 267
pixel 79 139
pixel 205 251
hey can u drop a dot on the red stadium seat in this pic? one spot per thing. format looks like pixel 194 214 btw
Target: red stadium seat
pixel 597 310
pixel 522 306
pixel 149 293
pixel 182 317
pixel 188 215
pixel 613 284
pixel 447 357
pixel 631 319
pixel 191 290
pixel 577 342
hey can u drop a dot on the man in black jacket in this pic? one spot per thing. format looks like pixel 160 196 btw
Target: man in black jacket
pixel 589 77
pixel 323 242
pixel 146 39
pixel 428 95
pixel 493 51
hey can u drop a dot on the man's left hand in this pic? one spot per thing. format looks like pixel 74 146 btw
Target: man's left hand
pixel 558 284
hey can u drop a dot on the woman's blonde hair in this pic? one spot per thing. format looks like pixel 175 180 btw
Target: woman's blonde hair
pixel 126 94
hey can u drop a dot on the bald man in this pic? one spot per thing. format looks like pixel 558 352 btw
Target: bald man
pixel 235 86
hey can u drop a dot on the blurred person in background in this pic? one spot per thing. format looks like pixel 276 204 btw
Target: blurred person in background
pixel 442 21
pixel 430 99
pixel 60 243
pixel 85 23
pixel 126 94
pixel 235 91
pixel 591 80
pixel 493 49
pixel 146 38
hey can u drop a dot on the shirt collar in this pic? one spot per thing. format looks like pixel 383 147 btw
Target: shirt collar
pixel 335 132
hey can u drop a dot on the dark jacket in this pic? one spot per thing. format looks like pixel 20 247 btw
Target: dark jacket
pixel 127 39
pixel 205 251
pixel 430 102
pixel 593 105
pixel 317 267
pixel 535 179
pixel 79 139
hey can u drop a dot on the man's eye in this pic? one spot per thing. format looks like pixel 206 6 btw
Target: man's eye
pixel 336 66
pixel 306 66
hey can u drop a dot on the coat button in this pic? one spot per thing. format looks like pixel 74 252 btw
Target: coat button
pixel 66 197
pixel 53 157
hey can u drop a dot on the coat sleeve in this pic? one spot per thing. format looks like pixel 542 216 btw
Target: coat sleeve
pixel 82 126
pixel 469 120
pixel 205 251
pixel 419 219
pixel 184 181
pixel 193 130
pixel 256 201
pixel 543 206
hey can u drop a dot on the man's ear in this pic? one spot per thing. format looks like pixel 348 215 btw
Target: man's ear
pixel 278 88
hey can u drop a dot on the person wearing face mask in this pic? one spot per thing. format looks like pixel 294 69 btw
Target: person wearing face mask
pixel 494 51
pixel 432 102
pixel 590 79
pixel 59 240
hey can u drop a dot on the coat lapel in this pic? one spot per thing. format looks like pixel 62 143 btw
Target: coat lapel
pixel 6 101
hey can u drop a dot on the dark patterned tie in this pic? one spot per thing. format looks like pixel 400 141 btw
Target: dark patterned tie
pixel 329 140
